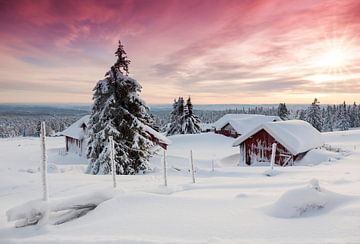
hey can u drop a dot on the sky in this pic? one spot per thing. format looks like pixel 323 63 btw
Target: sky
pixel 216 51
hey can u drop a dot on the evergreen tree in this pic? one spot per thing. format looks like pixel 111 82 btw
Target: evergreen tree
pixel 313 115
pixel 353 115
pixel 176 117
pixel 191 121
pixel 357 117
pixel 301 114
pixel 328 122
pixel 343 122
pixel 118 111
pixel 283 112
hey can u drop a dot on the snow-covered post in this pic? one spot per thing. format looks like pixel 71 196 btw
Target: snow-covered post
pixel 112 153
pixel 164 168
pixel 212 165
pixel 273 152
pixel 192 166
pixel 44 162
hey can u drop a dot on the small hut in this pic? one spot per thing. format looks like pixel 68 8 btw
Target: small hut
pixel 76 136
pixel 294 138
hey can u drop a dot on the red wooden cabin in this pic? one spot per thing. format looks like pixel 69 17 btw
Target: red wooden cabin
pixel 294 138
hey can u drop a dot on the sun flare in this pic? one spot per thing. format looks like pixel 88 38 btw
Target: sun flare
pixel 335 58
pixel 332 61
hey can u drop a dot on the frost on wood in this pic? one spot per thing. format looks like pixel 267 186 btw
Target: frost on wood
pixel 44 162
pixel 60 210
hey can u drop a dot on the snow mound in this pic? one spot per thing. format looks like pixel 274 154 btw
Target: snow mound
pixel 230 161
pixel 317 156
pixel 305 201
pixel 63 209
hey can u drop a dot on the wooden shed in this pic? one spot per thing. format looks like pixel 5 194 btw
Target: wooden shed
pixel 294 138
pixel 76 136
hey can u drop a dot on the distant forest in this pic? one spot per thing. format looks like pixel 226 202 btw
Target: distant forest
pixel 24 120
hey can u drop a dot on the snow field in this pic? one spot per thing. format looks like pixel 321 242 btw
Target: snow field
pixel 233 204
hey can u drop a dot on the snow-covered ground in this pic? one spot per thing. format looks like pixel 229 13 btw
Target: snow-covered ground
pixel 314 202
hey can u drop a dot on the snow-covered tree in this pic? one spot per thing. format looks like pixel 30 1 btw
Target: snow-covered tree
pixel 182 118
pixel 283 112
pixel 313 115
pixel 191 121
pixel 343 122
pixel 328 121
pixel 118 111
pixel 176 116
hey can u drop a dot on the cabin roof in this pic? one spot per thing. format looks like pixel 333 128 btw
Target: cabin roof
pixel 243 123
pixel 75 130
pixel 162 138
pixel 296 135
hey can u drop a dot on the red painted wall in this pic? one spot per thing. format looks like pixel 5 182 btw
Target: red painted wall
pixel 261 144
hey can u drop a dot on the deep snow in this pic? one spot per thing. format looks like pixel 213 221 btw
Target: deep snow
pixel 233 204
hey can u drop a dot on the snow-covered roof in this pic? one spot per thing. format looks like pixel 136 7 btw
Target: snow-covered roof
pixel 75 130
pixel 162 138
pixel 296 135
pixel 243 123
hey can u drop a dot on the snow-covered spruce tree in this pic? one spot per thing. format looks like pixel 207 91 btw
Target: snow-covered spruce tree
pixel 176 118
pixel 328 119
pixel 313 115
pixel 283 112
pixel 191 121
pixel 343 122
pixel 118 111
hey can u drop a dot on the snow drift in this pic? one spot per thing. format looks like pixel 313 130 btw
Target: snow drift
pixel 305 201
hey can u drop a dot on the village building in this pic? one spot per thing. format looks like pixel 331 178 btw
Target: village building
pixel 76 136
pixel 294 138
pixel 235 125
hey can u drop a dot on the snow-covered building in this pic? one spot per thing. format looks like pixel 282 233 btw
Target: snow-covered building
pixel 76 136
pixel 294 138
pixel 234 125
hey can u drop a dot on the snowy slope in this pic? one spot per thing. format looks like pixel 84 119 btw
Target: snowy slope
pixel 232 204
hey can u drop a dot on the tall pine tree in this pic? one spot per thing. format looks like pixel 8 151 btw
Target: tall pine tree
pixel 182 118
pixel 283 112
pixel 313 115
pixel 343 122
pixel 191 121
pixel 118 111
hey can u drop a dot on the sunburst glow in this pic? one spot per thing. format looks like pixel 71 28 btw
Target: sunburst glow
pixel 335 58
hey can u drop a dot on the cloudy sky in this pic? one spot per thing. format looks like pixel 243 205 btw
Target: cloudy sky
pixel 217 51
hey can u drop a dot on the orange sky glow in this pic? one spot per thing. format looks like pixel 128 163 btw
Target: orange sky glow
pixel 219 52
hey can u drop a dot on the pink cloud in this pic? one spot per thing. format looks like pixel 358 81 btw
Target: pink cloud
pixel 182 42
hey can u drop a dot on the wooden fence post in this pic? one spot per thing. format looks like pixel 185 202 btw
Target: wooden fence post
pixel 192 166
pixel 273 152
pixel 112 156
pixel 44 162
pixel 164 168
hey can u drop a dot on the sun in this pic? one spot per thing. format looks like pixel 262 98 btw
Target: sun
pixel 333 59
